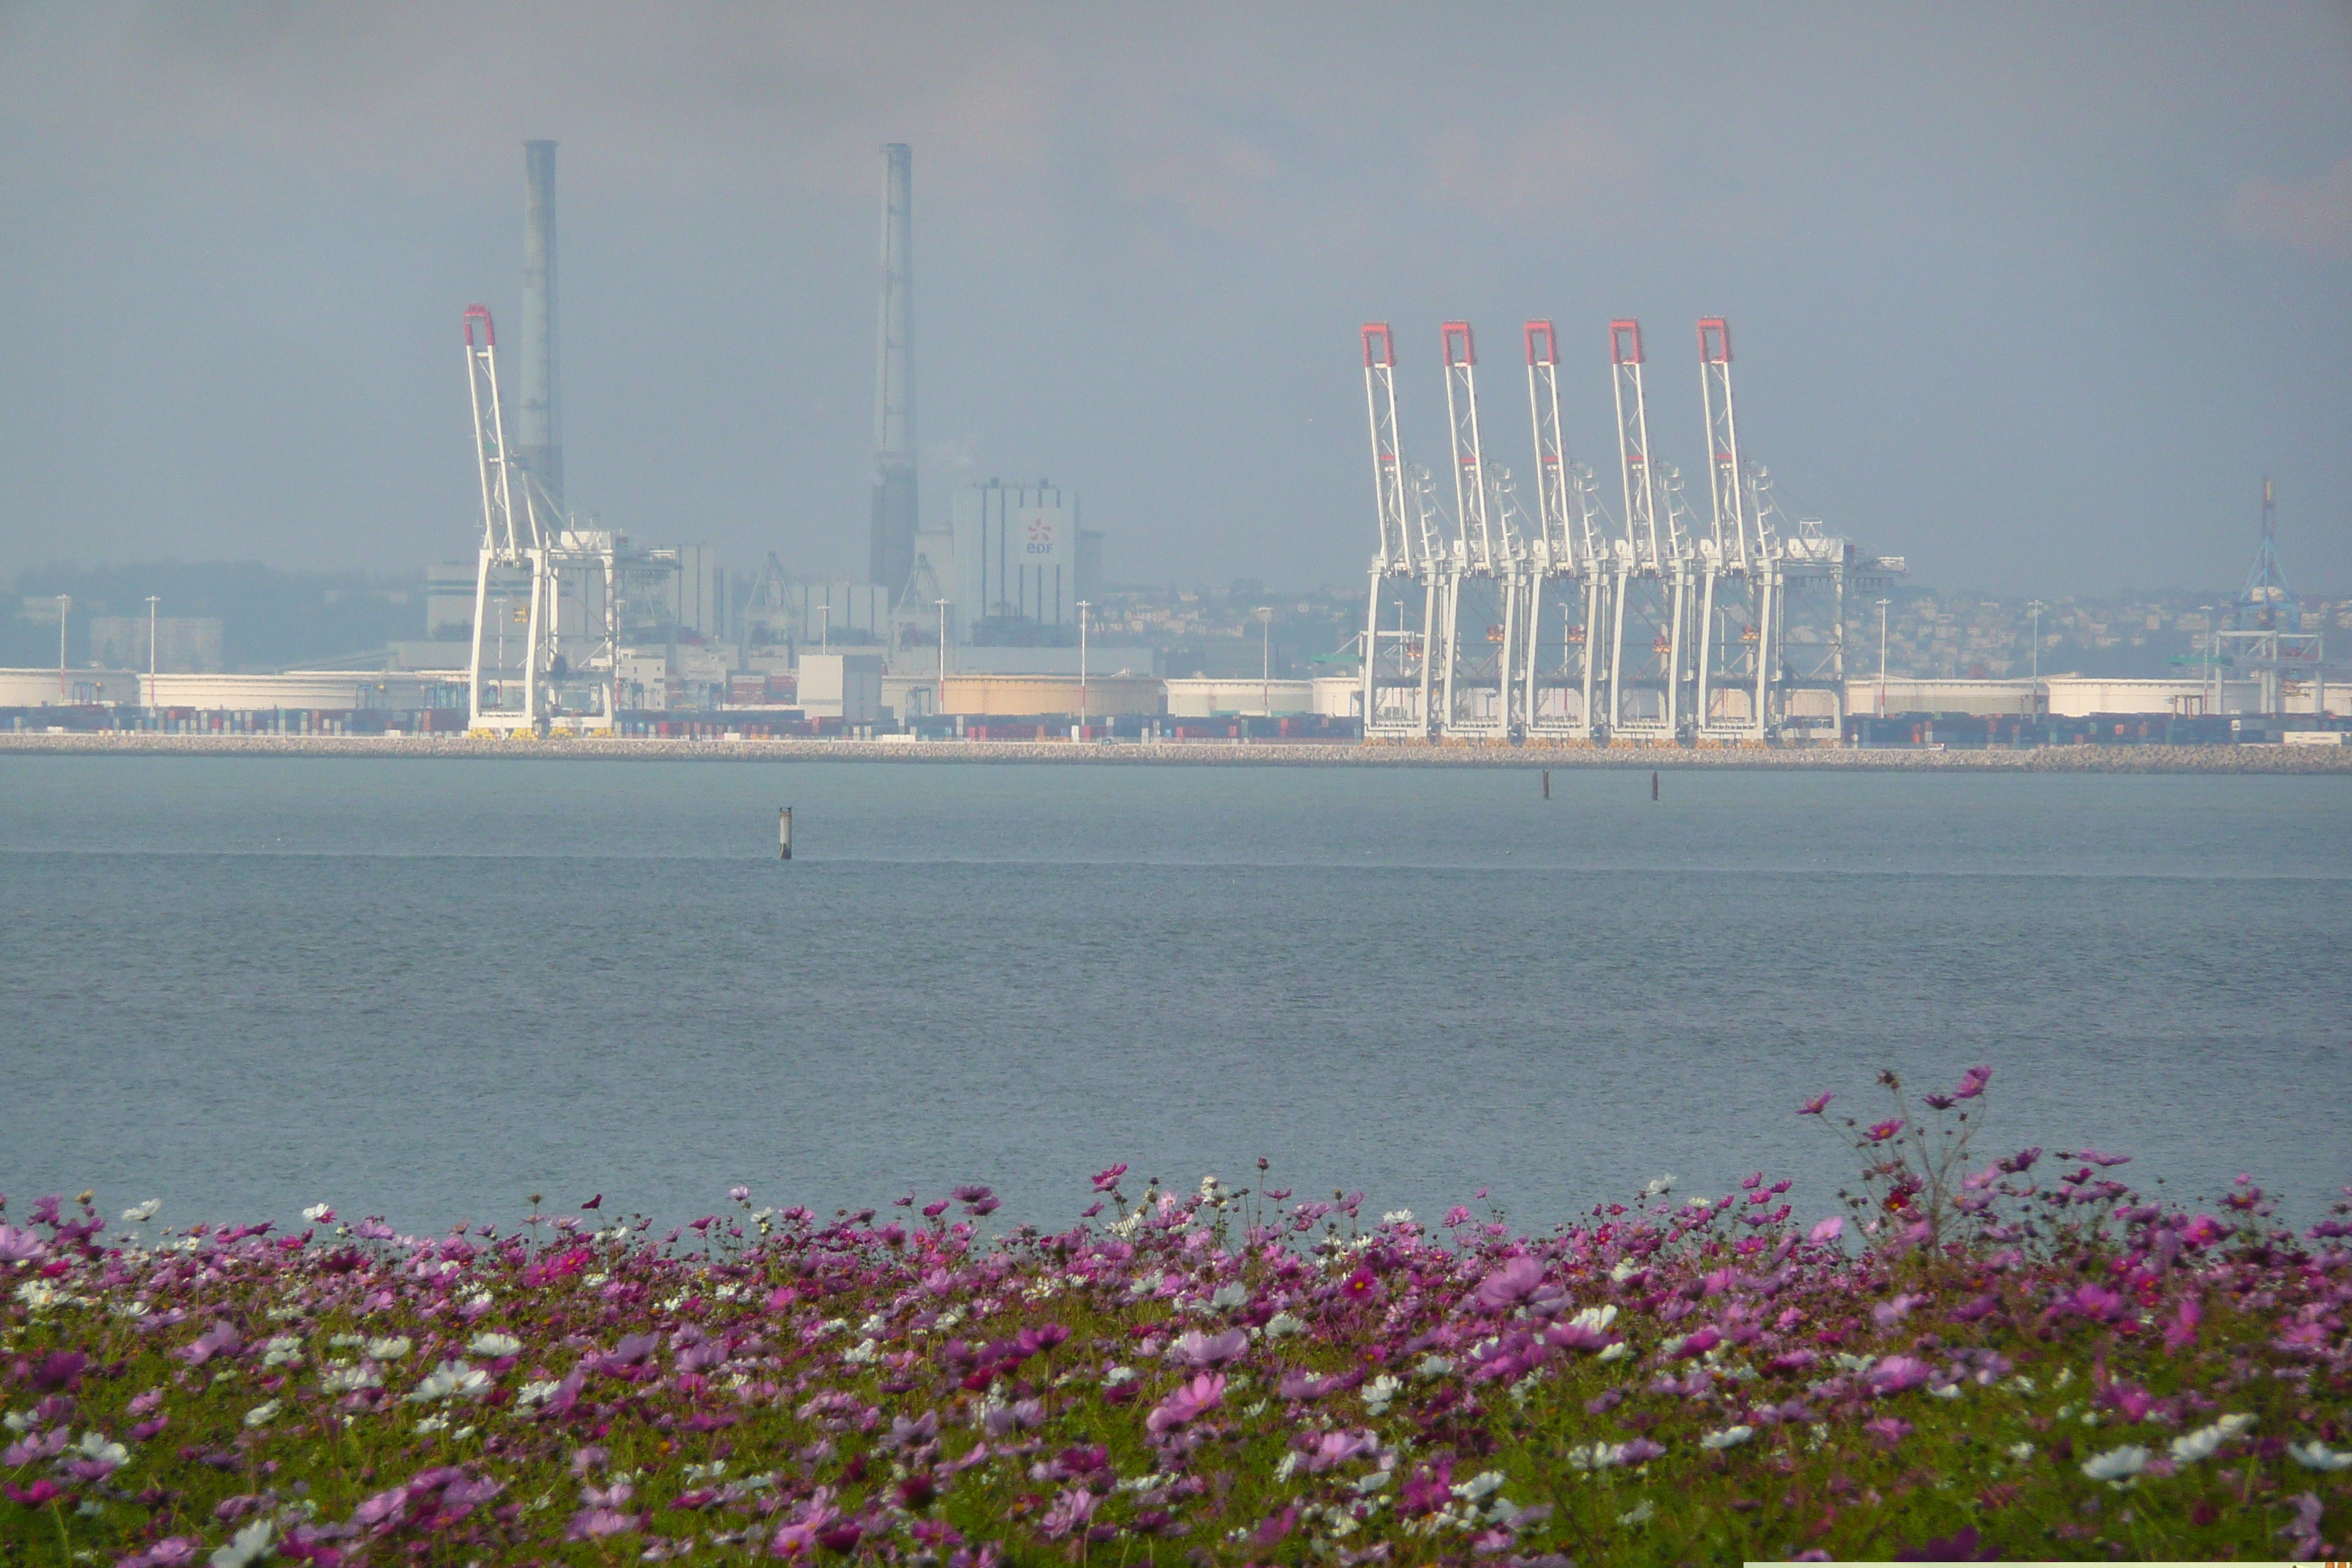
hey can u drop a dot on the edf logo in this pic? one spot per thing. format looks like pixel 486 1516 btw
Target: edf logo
pixel 1040 536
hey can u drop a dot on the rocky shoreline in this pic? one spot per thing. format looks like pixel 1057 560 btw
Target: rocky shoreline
pixel 2082 758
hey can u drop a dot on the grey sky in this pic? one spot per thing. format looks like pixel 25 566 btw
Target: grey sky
pixel 2032 296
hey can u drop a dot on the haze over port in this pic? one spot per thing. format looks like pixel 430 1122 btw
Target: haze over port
pixel 2032 298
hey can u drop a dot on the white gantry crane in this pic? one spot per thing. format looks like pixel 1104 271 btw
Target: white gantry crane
pixel 1567 625
pixel 1406 571
pixel 519 674
pixel 1651 591
pixel 1567 557
pixel 1477 673
pixel 514 558
pixel 1737 574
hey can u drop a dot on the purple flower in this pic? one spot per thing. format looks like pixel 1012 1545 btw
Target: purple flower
pixel 19 1246
pixel 1972 1083
pixel 970 1194
pixel 1886 1129
pixel 2096 1158
pixel 1187 1404
pixel 1816 1105
pixel 1888 1431
pixel 1108 1178
pixel 2022 1162
pixel 1828 1231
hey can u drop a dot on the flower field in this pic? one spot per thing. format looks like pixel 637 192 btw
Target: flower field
pixel 2023 1357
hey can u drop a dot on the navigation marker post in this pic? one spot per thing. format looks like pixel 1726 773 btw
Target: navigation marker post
pixel 785 832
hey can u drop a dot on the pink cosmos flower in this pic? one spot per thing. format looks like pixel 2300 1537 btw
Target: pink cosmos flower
pixel 1886 1129
pixel 1972 1083
pixel 1108 1178
pixel 1888 1431
pixel 1512 1283
pixel 2182 1333
pixel 1187 1404
pixel 20 1246
pixel 1828 1231
pixel 1897 1373
pixel 1816 1105
pixel 1197 1349
pixel 1070 1511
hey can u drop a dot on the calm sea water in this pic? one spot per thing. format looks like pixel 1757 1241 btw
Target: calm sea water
pixel 429 989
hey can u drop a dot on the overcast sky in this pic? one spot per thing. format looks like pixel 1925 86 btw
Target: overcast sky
pixel 2033 296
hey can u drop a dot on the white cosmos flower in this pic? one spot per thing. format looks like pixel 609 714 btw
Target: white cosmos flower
pixel 251 1545
pixel 349 1379
pixel 1230 1296
pixel 1380 1392
pixel 2020 1452
pixel 2191 1447
pixel 2116 1464
pixel 494 1345
pixel 1729 1438
pixel 1640 1513
pixel 95 1445
pixel 390 1348
pixel 451 1380
pixel 1617 1351
pixel 1659 1186
pixel 537 1393
pixel 1484 1484
pixel 1283 1324
pixel 318 1212
pixel 2317 1456
pixel 262 1414
pixel 1397 1216
pixel 142 1213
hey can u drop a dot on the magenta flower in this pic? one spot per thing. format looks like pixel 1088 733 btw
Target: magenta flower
pixel 1888 1431
pixel 1108 1178
pixel 1828 1231
pixel 20 1246
pixel 1886 1129
pixel 1972 1083
pixel 1815 1106
pixel 2096 1158
pixel 1187 1404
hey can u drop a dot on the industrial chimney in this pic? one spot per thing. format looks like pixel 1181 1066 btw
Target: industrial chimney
pixel 893 538
pixel 541 446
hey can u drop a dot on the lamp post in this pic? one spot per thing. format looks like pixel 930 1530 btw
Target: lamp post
pixel 1083 606
pixel 151 704
pixel 1882 657
pixel 940 706
pixel 64 607
pixel 824 628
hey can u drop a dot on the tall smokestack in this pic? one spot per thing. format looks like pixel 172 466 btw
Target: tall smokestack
pixel 893 539
pixel 541 446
